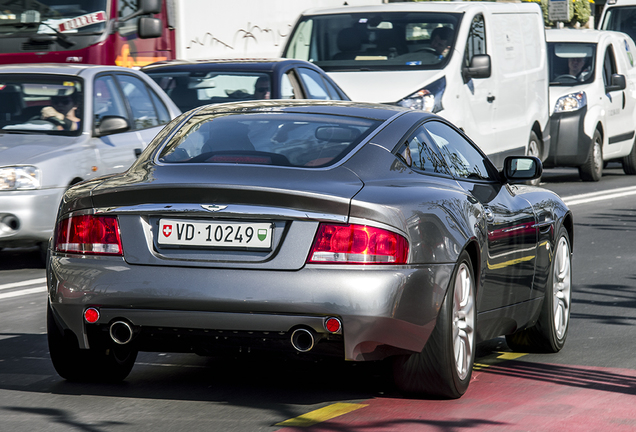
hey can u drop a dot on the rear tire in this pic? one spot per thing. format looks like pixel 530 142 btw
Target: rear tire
pixel 551 329
pixel 444 367
pixel 592 169
pixel 75 364
pixel 629 161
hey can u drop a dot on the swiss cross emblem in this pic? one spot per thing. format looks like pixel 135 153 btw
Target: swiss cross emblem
pixel 167 230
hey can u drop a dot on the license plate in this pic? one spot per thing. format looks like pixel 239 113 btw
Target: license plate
pixel 215 234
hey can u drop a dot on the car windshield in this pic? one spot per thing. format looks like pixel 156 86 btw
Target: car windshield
pixel 376 41
pixel 49 16
pixel 282 139
pixel 192 89
pixel 571 63
pixel 40 104
pixel 622 19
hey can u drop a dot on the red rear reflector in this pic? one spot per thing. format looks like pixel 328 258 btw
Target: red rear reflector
pixel 89 235
pixel 91 315
pixel 358 244
pixel 333 325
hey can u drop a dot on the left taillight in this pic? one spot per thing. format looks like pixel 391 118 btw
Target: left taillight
pixel 357 244
pixel 89 235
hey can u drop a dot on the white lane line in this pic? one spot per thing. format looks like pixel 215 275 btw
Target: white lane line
pixel 28 291
pixel 599 196
pixel 23 283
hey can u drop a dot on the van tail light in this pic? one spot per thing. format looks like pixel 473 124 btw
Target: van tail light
pixel 89 235
pixel 357 244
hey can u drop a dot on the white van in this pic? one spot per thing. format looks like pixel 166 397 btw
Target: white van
pixel 619 15
pixel 483 66
pixel 593 100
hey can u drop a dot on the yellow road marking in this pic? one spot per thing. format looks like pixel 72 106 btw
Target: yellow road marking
pixel 321 415
pixel 490 360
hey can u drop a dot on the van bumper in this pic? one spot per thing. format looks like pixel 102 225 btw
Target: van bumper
pixel 570 144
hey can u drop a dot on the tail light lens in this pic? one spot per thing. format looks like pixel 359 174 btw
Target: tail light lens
pixel 89 235
pixel 358 244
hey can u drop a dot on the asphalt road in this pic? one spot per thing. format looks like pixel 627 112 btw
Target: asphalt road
pixel 589 385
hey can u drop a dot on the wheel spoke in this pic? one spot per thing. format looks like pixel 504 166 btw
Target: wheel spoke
pixel 463 320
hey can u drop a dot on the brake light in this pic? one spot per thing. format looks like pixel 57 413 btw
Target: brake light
pixel 89 235
pixel 358 244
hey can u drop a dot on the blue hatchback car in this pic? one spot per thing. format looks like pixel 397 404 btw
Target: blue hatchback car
pixel 192 83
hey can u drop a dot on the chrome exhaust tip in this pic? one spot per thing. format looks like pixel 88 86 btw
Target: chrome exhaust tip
pixel 302 340
pixel 121 332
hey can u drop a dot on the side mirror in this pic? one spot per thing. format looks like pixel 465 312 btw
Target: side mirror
pixel 111 125
pixel 518 169
pixel 148 28
pixel 145 7
pixel 480 67
pixel 617 83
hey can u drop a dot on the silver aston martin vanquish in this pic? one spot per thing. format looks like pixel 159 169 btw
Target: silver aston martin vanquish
pixel 356 231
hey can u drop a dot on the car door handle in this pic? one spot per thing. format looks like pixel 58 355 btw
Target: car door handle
pixel 137 152
pixel 490 98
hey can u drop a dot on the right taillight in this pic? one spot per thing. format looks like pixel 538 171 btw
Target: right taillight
pixel 89 235
pixel 357 244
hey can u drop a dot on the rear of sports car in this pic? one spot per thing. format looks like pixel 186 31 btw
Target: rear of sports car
pixel 236 235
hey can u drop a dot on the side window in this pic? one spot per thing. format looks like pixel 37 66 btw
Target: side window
pixel 125 8
pixel 461 157
pixel 314 84
pixel 162 111
pixel 334 92
pixel 143 110
pixel 476 43
pixel 107 99
pixel 286 86
pixel 417 154
pixel 609 66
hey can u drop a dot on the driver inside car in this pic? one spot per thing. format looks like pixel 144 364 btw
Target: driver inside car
pixel 579 68
pixel 62 112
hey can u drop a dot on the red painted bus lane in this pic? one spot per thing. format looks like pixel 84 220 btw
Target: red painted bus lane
pixel 509 396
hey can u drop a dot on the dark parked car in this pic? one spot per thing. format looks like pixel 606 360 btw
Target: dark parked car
pixel 194 83
pixel 357 231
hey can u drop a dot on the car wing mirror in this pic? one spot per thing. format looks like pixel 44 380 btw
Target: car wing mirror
pixel 480 67
pixel 518 169
pixel 618 82
pixel 111 124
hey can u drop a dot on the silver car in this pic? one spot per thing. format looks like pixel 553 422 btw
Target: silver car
pixel 61 124
pixel 355 231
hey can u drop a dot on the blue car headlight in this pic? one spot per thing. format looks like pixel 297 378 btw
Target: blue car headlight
pixel 428 99
pixel 571 102
pixel 19 178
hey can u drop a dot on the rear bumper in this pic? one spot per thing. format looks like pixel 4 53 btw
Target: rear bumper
pixel 384 311
pixel 27 217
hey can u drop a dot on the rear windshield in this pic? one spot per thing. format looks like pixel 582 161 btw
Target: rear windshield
pixel 375 40
pixel 189 90
pixel 281 139
pixel 622 19
pixel 571 63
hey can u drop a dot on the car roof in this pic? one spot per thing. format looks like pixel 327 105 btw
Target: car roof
pixel 254 64
pixel 580 35
pixel 58 68
pixel 434 6
pixel 341 108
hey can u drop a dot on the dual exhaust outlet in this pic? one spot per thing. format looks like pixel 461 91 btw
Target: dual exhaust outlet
pixel 302 340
